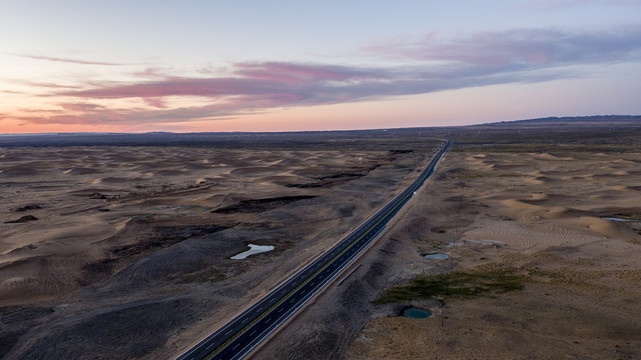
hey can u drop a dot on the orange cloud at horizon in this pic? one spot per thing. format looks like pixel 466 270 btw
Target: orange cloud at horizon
pixel 14 126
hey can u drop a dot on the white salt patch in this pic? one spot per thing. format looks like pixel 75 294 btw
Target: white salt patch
pixel 253 249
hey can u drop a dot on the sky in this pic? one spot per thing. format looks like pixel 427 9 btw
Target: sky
pixel 190 66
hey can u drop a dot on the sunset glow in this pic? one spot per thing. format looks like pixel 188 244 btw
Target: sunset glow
pixel 201 66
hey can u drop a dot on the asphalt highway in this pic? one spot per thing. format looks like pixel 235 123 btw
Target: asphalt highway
pixel 243 333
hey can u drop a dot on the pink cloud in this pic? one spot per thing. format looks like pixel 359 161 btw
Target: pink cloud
pixel 90 118
pixel 171 87
pixel 155 102
pixel 39 111
pixel 250 79
pixel 95 115
pixel 154 72
pixel 68 60
pixel 296 73
pixel 80 107
pixel 46 84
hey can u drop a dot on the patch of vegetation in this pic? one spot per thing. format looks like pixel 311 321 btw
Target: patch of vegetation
pixel 466 284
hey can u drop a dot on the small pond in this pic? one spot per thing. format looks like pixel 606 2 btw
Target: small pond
pixel 436 256
pixel 416 313
pixel 253 249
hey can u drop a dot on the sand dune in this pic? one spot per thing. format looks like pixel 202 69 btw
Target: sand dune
pixel 624 161
pixel 81 171
pixel 536 180
pixel 570 217
pixel 604 227
pixel 257 171
pixel 520 205
pixel 154 240
pixel 583 270
pixel 94 200
pixel 21 172
pixel 622 188
pixel 548 156
pixel 539 197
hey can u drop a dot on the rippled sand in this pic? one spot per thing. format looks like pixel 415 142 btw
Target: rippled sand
pixel 86 201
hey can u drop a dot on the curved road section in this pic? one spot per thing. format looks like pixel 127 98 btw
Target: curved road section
pixel 243 333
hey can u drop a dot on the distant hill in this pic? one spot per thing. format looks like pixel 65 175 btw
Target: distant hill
pixel 602 119
pixel 277 140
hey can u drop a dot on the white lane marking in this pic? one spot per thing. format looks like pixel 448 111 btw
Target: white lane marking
pixel 281 310
pixel 210 346
pixel 228 331
pixel 235 346
pixel 252 333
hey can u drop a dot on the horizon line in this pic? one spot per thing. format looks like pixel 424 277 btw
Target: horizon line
pixel 316 131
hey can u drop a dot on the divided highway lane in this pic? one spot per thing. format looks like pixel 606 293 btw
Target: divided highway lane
pixel 244 332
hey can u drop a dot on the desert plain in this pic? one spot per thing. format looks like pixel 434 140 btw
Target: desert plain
pixel 113 251
pixel 537 219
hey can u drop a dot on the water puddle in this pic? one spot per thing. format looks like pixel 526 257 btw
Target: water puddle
pixel 253 249
pixel 416 313
pixel 436 256
pixel 617 219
